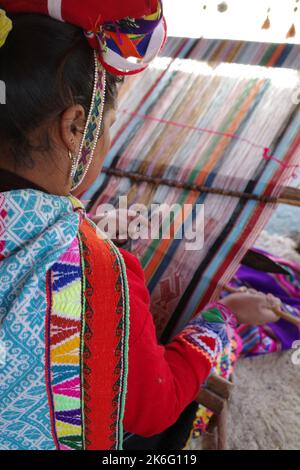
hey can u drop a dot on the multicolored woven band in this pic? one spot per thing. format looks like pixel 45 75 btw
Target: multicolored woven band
pixel 93 127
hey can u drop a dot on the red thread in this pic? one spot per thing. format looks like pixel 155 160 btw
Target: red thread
pixel 265 150
pixel 266 155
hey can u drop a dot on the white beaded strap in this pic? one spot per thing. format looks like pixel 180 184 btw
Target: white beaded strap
pixel 91 135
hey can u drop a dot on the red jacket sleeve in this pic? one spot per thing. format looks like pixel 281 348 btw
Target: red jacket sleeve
pixel 162 381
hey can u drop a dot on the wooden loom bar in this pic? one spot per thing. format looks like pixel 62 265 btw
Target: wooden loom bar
pixel 287 317
pixel 289 196
pixel 211 400
pixel 219 385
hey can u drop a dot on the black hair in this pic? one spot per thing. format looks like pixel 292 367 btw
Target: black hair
pixel 46 66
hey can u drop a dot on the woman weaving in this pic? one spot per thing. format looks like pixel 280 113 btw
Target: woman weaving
pixel 82 360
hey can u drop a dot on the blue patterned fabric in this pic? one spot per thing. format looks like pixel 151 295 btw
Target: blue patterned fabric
pixel 35 230
pixel 218 320
pixel 213 332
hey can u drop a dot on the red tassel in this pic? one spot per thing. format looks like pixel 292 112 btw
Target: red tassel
pixel 266 155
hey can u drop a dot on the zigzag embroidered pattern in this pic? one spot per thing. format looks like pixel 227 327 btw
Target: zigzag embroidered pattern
pixel 65 350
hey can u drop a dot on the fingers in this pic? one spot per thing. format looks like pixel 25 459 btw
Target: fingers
pixel 122 225
pixel 270 300
pixel 268 316
pixel 235 290
pixel 256 292
pixel 243 289
pixel 273 302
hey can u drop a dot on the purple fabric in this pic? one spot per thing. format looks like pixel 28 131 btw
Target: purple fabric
pixel 285 332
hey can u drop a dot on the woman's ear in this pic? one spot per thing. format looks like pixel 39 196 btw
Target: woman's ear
pixel 72 127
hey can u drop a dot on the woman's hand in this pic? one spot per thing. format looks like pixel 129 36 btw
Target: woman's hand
pixel 121 225
pixel 252 307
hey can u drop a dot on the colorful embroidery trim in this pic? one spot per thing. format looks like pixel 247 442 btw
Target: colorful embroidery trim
pixel 64 329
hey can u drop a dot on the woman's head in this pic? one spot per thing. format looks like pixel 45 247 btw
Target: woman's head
pixel 48 69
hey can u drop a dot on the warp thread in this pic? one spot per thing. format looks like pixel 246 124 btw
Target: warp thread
pixel 265 150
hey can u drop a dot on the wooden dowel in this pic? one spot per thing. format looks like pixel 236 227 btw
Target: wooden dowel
pixel 289 196
pixel 219 385
pixel 287 317
pixel 289 202
pixel 211 400
pixel 210 437
pixel 222 428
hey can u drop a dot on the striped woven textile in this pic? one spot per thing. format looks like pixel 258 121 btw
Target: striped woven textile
pixel 218 114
